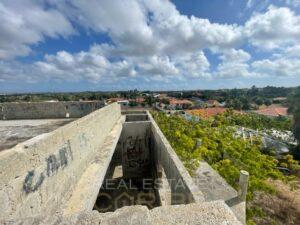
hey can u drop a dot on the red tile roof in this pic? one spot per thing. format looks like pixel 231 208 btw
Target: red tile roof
pixel 174 101
pixel 139 100
pixel 212 102
pixel 115 99
pixel 273 111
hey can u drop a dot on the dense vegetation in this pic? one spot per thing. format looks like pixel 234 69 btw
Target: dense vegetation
pixel 240 99
pixel 255 121
pixel 224 152
pixel 71 96
pixel 294 103
pixel 294 108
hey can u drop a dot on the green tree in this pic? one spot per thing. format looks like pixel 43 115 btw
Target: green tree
pixel 294 108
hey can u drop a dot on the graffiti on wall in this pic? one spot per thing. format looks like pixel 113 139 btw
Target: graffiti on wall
pixel 54 163
pixel 135 154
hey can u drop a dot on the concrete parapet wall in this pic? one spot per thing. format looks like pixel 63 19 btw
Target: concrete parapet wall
pixel 39 175
pixel 183 188
pixel 47 110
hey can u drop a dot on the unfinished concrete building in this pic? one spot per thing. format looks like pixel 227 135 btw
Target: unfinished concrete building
pixel 107 167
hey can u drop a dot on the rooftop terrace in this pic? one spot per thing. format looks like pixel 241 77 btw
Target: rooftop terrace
pixel 72 175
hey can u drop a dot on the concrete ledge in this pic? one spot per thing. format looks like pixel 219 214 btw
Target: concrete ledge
pixel 212 185
pixel 206 213
pixel 85 194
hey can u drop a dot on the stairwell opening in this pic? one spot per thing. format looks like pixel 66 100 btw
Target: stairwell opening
pixel 131 176
pixel 143 170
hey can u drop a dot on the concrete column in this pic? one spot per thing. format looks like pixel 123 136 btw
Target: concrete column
pixel 243 185
pixel 198 143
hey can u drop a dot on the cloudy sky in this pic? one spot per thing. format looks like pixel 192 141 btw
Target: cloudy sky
pixel 64 45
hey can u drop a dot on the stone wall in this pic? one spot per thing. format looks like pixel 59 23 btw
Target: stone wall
pixel 47 110
pixel 39 175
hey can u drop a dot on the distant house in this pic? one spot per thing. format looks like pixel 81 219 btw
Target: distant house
pixel 279 100
pixel 222 104
pixel 52 100
pixel 273 111
pixel 111 100
pixel 162 96
pixel 140 100
pixel 212 103
pixel 198 101
pixel 121 101
pixel 180 103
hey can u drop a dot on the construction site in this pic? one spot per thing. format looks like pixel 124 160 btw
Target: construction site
pixel 87 163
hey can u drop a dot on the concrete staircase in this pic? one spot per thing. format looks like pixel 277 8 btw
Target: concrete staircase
pixel 206 213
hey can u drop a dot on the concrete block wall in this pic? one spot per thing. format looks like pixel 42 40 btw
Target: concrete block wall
pixel 47 110
pixel 183 188
pixel 39 175
pixel 135 148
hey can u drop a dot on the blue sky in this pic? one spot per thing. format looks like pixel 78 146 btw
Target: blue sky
pixel 64 45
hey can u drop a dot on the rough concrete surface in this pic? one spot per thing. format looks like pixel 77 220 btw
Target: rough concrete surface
pixel 173 167
pixel 206 213
pixel 214 187
pixel 47 168
pixel 54 178
pixel 13 132
pixel 47 110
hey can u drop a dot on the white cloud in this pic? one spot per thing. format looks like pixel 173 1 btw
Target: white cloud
pixel 249 3
pixel 194 65
pixel 279 67
pixel 23 23
pixel 156 65
pixel 233 55
pixel 149 38
pixel 276 28
pixel 234 64
pixel 294 3
pixel 149 27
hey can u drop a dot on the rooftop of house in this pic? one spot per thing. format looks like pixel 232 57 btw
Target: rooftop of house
pixel 211 101
pixel 280 98
pixel 174 101
pixel 115 99
pixel 273 111
pixel 139 100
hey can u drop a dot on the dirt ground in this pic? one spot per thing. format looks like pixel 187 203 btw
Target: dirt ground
pixel 282 208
